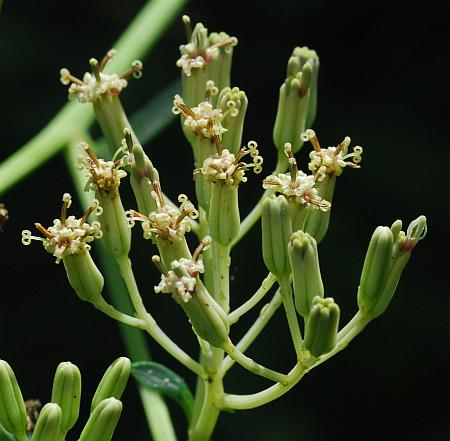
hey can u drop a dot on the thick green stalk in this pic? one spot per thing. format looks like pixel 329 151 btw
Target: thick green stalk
pixel 143 32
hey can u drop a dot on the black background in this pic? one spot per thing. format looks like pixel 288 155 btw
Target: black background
pixel 383 81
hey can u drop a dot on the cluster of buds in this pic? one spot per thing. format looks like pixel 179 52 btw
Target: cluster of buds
pixel 56 418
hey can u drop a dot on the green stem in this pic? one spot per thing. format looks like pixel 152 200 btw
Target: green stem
pixel 254 215
pixel 264 317
pixel 112 312
pixel 291 315
pixel 345 336
pixel 150 324
pixel 266 284
pixel 143 32
pixel 156 412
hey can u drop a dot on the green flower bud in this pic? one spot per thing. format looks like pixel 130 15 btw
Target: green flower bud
pixel 48 426
pixel 66 393
pixel 316 221
pixel 388 253
pixel 12 408
pixel 103 421
pixel 223 216
pixel 84 276
pixel 206 316
pixel 276 232
pixel 321 329
pixel 307 280
pixel 233 103
pixel 205 57
pixel 142 176
pixel 113 382
pixel 115 225
pixel 298 100
pixel 203 148
pixel 102 90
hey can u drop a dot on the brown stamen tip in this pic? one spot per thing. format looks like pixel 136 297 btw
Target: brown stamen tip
pixel 186 110
pixel 158 192
pixel 315 143
pixel 43 230
pixel 87 213
pixel 201 246
pixel 91 153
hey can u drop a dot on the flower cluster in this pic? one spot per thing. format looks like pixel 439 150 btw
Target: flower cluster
pixel 181 279
pixel 67 235
pixel 167 222
pixel 332 160
pixel 229 168
pixel 97 83
pixel 296 185
pixel 103 175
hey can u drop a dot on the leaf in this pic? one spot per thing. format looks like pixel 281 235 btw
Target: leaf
pixel 159 378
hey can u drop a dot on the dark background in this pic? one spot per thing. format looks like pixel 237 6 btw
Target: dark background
pixel 383 81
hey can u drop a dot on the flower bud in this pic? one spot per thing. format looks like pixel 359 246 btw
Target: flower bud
pixel 376 269
pixel 66 393
pixel 298 101
pixel 12 408
pixel 115 226
pixel 48 426
pixel 322 326
pixel 103 421
pixel 307 280
pixel 388 253
pixel 206 316
pixel 113 382
pixel 276 232
pixel 223 215
pixel 84 276
pixel 233 103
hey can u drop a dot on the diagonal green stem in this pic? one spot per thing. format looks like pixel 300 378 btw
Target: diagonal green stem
pixel 74 118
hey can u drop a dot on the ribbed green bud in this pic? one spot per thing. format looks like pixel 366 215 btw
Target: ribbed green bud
pixel 206 316
pixel 223 216
pixel 298 99
pixel 233 103
pixel 322 327
pixel 115 226
pixel 49 424
pixel 307 280
pixel 202 148
pixel 276 233
pixel 388 253
pixel 376 269
pixel 84 276
pixel 113 382
pixel 12 408
pixel 66 393
pixel 142 176
pixel 316 222
pixel 103 421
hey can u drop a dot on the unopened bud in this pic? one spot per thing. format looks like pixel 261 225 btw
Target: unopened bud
pixel 307 280
pixel 276 232
pixel 48 426
pixel 66 393
pixel 103 421
pixel 322 326
pixel 12 408
pixel 113 382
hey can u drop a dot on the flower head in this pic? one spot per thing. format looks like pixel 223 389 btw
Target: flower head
pixel 201 49
pixel 296 185
pixel 332 160
pixel 103 175
pixel 167 222
pixel 229 168
pixel 68 235
pixel 97 83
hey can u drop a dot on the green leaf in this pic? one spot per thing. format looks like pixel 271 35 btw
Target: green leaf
pixel 159 378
